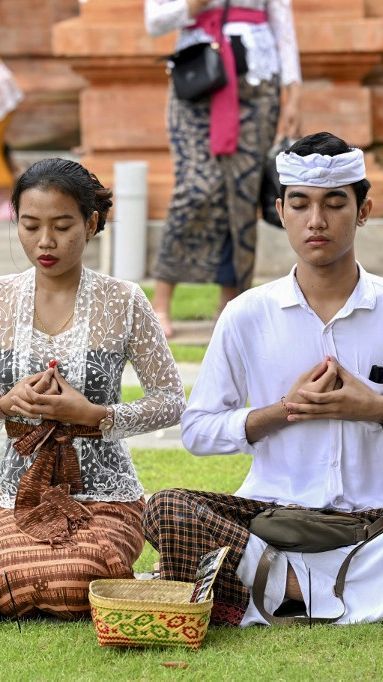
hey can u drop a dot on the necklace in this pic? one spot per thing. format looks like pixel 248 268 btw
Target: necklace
pixel 55 333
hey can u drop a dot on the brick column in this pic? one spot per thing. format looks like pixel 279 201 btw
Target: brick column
pixel 122 110
pixel 48 116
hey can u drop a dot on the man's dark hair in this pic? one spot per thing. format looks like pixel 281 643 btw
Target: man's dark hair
pixel 326 143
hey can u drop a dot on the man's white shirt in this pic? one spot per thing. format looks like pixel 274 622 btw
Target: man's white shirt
pixel 262 342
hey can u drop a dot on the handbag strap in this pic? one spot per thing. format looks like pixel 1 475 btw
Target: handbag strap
pixel 259 588
pixel 263 569
pixel 225 13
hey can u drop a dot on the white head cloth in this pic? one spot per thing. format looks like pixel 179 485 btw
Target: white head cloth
pixel 321 170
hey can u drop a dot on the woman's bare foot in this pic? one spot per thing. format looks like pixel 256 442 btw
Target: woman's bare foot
pixel 163 293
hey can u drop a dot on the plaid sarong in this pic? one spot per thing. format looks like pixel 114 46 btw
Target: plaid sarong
pixel 185 524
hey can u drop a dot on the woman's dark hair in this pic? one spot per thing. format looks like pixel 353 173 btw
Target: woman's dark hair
pixel 68 177
pixel 326 143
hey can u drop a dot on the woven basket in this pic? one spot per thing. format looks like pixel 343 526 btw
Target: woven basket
pixel 137 613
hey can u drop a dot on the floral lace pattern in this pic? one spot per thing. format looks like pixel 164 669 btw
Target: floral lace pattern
pixel 271 47
pixel 113 323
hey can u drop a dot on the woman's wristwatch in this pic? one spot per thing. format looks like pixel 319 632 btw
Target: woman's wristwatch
pixel 107 422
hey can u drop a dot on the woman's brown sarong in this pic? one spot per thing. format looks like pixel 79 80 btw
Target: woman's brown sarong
pixel 51 545
pixel 55 579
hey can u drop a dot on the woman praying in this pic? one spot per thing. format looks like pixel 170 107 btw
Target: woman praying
pixel 70 500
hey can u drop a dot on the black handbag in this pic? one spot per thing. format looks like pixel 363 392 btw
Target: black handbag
pixel 198 70
pixel 270 187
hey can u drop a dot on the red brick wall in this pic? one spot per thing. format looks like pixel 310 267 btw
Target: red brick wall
pixel 49 114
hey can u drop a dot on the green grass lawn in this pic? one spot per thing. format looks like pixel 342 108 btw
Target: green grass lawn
pixel 130 393
pixel 183 353
pixel 50 651
pixel 192 301
pixel 47 651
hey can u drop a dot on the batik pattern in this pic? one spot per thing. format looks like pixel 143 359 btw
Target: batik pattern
pixel 210 232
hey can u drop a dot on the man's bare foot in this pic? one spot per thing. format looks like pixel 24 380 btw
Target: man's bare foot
pixel 293 591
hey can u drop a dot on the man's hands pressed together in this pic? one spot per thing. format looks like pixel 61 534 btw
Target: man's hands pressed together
pixel 327 391
pixel 349 399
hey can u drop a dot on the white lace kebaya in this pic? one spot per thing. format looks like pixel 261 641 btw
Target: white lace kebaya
pixel 321 170
pixel 113 323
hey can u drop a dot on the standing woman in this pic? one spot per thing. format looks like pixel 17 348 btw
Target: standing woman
pixel 210 233
pixel 71 503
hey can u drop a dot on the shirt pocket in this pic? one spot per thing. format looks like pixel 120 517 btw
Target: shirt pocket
pixel 377 388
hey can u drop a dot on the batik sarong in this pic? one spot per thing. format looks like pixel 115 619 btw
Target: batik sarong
pixel 210 232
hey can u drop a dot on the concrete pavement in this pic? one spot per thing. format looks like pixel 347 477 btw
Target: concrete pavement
pixel 164 438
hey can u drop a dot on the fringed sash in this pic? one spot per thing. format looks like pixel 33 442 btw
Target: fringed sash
pixel 44 509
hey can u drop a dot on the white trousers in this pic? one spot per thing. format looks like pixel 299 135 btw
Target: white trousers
pixel 363 592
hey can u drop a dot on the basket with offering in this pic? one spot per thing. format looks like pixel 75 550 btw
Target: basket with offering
pixel 136 613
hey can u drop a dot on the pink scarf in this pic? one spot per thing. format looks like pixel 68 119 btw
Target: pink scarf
pixel 224 111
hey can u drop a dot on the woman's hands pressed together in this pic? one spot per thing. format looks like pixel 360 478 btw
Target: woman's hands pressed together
pixel 48 396
pixel 42 382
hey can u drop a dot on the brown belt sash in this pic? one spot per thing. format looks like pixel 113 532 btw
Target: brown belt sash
pixel 44 509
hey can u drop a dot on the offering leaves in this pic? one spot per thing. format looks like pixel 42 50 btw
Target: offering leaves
pixel 206 573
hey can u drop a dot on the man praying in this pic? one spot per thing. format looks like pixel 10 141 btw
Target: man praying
pixel 292 376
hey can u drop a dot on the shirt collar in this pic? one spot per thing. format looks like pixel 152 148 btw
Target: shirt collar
pixel 363 296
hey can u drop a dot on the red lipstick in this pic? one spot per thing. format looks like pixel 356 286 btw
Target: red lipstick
pixel 46 260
